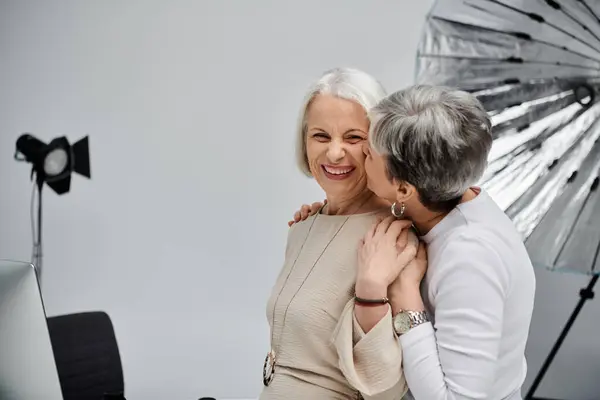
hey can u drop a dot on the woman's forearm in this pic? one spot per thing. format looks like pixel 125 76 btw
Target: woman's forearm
pixel 406 297
pixel 369 315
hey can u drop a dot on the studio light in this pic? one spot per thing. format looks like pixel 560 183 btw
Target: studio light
pixel 52 164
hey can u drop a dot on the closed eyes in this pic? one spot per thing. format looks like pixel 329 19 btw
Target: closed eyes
pixel 352 138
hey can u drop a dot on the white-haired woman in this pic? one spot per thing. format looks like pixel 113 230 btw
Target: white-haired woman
pixel 428 146
pixel 328 341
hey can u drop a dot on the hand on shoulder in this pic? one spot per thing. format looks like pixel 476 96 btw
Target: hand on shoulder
pixel 306 211
pixel 386 249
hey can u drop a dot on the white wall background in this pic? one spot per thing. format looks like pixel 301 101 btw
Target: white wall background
pixel 190 107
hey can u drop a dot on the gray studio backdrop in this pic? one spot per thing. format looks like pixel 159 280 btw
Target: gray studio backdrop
pixel 190 107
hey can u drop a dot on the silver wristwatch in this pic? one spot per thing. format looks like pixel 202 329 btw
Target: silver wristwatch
pixel 406 320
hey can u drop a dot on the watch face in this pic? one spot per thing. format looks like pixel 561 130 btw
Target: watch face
pixel 401 323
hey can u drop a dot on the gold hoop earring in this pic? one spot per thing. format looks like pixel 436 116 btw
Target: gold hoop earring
pixel 396 213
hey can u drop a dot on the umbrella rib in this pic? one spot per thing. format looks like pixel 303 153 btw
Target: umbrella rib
pixel 510 60
pixel 572 228
pixel 565 48
pixel 589 9
pixel 555 5
pixel 595 183
pixel 518 35
pixel 542 20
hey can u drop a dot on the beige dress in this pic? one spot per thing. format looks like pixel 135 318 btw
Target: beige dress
pixel 322 353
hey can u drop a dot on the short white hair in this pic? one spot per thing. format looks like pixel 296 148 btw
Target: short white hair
pixel 344 83
pixel 436 138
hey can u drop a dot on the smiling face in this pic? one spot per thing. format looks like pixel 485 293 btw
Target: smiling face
pixel 335 132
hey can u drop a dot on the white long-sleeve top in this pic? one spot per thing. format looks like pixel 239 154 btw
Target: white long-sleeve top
pixel 479 289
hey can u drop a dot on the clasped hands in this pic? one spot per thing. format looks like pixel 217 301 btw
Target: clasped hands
pixel 391 261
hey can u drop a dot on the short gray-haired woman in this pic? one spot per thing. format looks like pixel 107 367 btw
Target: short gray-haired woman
pixel 326 342
pixel 428 146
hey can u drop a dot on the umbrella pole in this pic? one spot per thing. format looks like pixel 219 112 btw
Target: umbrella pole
pixel 584 294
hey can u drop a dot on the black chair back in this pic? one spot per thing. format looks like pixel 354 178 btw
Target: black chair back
pixel 87 356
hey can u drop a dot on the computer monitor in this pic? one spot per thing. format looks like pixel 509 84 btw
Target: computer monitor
pixel 27 365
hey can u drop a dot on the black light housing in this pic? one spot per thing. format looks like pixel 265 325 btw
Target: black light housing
pixel 54 162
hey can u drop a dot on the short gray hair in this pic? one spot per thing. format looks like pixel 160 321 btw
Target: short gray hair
pixel 345 83
pixel 435 138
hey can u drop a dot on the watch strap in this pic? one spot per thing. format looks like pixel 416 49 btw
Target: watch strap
pixel 417 317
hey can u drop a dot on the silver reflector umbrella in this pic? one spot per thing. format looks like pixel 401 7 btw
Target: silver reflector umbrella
pixel 535 66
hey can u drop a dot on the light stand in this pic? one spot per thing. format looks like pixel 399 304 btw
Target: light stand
pixel 584 295
pixel 37 244
pixel 52 164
